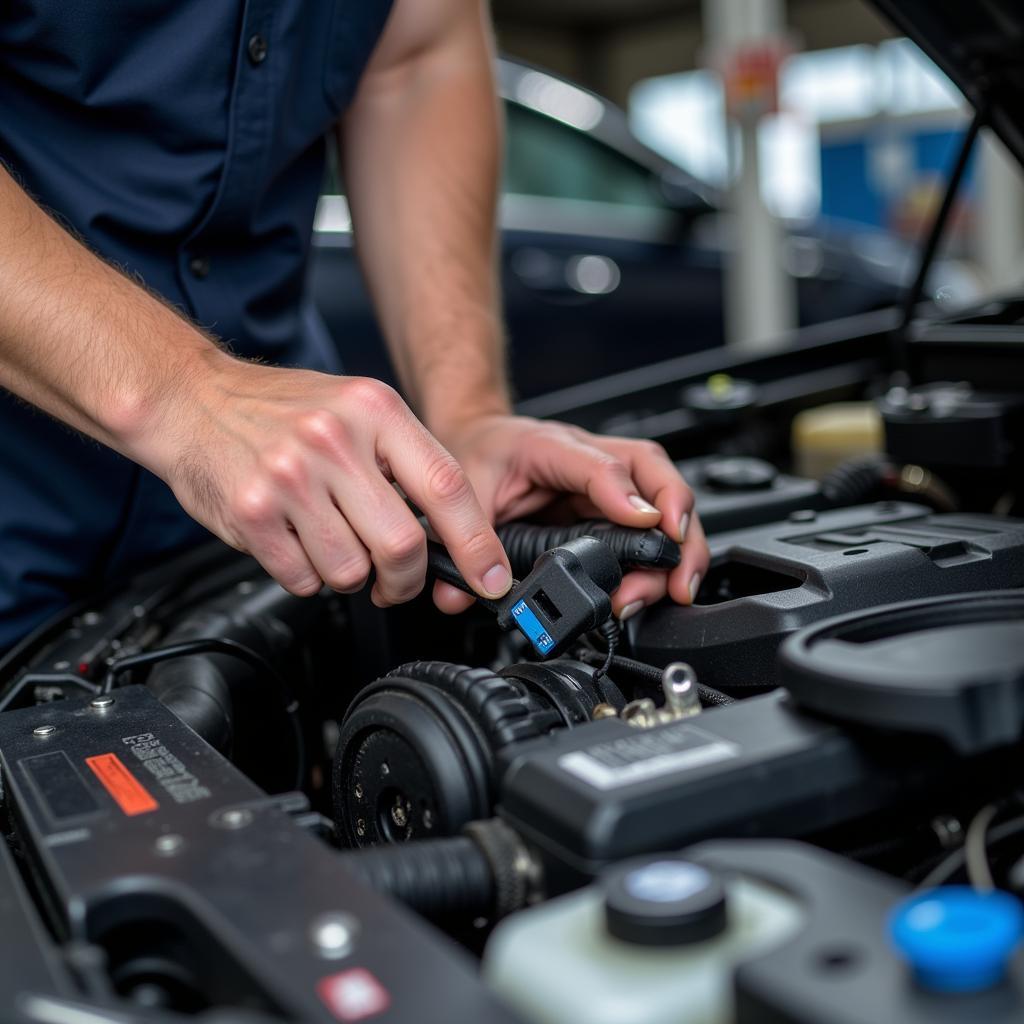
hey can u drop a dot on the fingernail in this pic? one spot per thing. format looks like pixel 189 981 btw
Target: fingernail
pixel 684 524
pixel 640 505
pixel 694 585
pixel 630 610
pixel 496 581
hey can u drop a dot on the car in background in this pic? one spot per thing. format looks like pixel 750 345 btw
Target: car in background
pixel 611 255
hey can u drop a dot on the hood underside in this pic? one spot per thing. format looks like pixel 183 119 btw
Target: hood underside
pixel 979 44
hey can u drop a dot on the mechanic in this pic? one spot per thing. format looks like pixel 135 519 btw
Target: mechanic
pixel 163 163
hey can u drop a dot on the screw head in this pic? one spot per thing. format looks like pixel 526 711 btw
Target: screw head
pixel 334 934
pixel 168 845
pixel 42 731
pixel 101 703
pixel 234 817
pixel 385 769
pixel 428 818
pixel 360 827
pixel 358 791
pixel 399 815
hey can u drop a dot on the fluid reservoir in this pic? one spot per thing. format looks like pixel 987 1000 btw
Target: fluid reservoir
pixel 655 943
pixel 824 437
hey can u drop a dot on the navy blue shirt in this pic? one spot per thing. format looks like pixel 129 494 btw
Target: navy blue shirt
pixel 185 140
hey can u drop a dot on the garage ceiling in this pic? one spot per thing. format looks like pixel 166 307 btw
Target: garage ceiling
pixel 609 45
pixel 590 14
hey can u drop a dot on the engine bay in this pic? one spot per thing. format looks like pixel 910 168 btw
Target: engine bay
pixel 222 800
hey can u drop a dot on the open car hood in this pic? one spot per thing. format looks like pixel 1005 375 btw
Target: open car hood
pixel 979 44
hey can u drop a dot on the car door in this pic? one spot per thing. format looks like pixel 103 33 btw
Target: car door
pixel 601 272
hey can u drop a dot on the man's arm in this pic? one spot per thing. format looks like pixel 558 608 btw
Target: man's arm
pixel 421 151
pixel 292 465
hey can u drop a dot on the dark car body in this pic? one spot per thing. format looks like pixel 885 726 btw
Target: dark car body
pixel 611 255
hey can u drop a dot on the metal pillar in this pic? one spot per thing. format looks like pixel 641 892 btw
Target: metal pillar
pixel 760 296
pixel 999 240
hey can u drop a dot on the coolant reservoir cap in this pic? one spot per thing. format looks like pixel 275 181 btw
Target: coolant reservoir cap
pixel 663 901
pixel 957 939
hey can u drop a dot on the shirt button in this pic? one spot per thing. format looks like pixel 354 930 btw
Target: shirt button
pixel 257 49
pixel 200 266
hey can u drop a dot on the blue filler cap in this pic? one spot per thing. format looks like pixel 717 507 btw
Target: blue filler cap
pixel 957 939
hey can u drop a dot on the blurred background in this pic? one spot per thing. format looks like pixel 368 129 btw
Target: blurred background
pixel 684 174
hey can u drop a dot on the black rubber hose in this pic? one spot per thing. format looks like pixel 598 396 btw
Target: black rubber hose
pixel 709 696
pixel 438 878
pixel 635 549
pixel 486 872
pixel 208 691
pixel 857 480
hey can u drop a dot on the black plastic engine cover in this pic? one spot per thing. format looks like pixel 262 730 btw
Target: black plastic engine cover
pixel 761 767
pixel 840 968
pixel 764 583
pixel 144 841
pixel 734 492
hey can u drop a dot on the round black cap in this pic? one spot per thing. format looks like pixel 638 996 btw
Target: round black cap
pixel 663 901
pixel 739 474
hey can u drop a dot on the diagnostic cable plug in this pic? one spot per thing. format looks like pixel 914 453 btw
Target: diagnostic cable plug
pixel 566 594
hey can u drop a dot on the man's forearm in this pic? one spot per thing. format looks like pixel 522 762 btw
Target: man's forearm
pixel 422 146
pixel 81 340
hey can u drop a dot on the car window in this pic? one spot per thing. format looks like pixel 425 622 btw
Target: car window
pixel 544 157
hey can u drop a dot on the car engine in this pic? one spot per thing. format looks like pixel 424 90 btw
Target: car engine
pixel 224 802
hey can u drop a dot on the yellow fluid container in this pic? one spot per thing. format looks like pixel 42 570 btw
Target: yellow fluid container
pixel 824 437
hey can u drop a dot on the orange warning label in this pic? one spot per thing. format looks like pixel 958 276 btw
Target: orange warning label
pixel 129 794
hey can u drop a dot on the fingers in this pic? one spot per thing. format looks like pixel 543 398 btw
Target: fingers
pixel 331 545
pixel 684 581
pixel 264 532
pixel 563 462
pixel 638 590
pixel 438 485
pixel 451 600
pixel 659 481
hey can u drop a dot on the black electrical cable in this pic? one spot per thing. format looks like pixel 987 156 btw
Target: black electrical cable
pixel 611 631
pixel 443 567
pixel 524 543
pixel 221 645
pixel 709 696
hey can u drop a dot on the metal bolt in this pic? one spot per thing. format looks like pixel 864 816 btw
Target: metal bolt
pixel 360 827
pixel 948 831
pixel 399 814
pixel 42 731
pixel 385 769
pixel 235 817
pixel 640 713
pixel 358 791
pixel 679 683
pixel 428 818
pixel 61 666
pixel 168 845
pixel 101 703
pixel 334 934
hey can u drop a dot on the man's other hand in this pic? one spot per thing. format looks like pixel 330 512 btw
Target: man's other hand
pixel 519 466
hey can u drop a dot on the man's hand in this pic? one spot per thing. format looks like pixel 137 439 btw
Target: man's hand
pixel 298 467
pixel 519 465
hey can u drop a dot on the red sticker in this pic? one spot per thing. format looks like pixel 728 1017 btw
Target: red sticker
pixel 353 995
pixel 129 794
